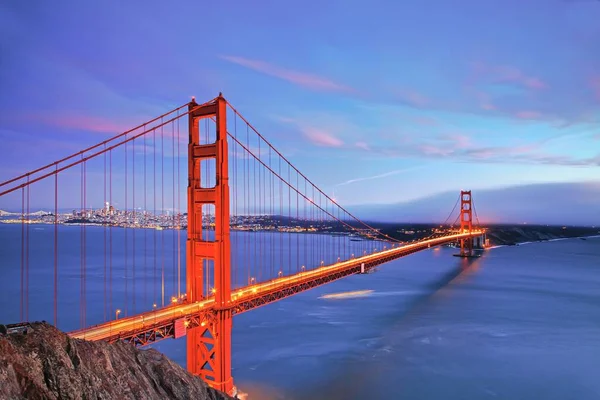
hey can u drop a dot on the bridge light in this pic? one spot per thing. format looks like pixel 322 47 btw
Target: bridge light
pixel 352 255
pixel 154 306
pixel 322 262
pixel 280 273
pixel 186 323
pixel 213 290
pixel 117 313
pixel 302 269
pixel 173 299
pixel 254 290
pixel 203 323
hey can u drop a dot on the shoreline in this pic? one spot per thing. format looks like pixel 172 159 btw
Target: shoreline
pixel 542 241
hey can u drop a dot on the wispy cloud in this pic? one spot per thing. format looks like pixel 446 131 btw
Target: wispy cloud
pixel 322 132
pixel 80 122
pixel 459 148
pixel 362 145
pixel 414 98
pixel 385 174
pixel 483 72
pixel 320 137
pixel 310 81
pixel 528 114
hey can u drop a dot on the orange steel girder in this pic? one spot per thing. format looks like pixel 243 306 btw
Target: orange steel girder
pixel 209 345
pixel 466 221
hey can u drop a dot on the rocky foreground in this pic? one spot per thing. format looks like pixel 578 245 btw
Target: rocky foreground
pixel 40 362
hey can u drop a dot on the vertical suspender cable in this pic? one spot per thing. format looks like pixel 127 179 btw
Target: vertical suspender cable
pixel 111 212
pixel 125 232
pixel 144 225
pixel 162 210
pixel 56 248
pixel 154 218
pixel 173 208
pixel 22 305
pixel 178 208
pixel 27 257
pixel 134 223
pixel 105 237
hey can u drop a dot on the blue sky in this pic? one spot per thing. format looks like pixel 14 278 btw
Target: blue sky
pixel 396 101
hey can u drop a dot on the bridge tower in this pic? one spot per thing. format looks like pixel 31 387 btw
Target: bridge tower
pixel 209 344
pixel 466 220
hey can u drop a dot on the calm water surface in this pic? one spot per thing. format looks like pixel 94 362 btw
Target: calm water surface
pixel 521 322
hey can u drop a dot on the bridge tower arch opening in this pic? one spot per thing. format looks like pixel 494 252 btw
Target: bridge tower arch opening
pixel 209 344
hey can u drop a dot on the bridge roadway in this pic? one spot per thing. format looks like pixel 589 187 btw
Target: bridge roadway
pixel 151 326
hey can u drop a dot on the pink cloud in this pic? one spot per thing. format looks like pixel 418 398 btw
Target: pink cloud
pixel 321 138
pixel 362 145
pixel 534 83
pixel 414 98
pixel 524 149
pixel 506 74
pixel 303 79
pixel 482 154
pixel 484 99
pixel 457 141
pixel 432 150
pixel 85 123
pixel 528 114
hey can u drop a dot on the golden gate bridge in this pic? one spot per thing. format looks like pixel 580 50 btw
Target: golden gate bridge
pixel 236 181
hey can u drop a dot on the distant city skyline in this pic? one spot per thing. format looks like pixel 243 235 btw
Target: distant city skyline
pixel 487 96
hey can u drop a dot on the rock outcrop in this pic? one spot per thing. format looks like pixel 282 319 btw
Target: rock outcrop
pixel 40 362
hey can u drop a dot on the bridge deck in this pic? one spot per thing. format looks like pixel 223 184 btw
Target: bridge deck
pixel 159 324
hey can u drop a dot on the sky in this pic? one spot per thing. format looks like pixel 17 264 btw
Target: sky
pixel 397 101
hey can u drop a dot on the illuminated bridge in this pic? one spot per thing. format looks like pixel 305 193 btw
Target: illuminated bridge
pixel 258 231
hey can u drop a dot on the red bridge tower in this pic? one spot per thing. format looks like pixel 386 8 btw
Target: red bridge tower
pixel 466 222
pixel 209 345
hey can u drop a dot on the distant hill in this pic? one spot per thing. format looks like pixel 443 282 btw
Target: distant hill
pixel 35 214
pixel 554 204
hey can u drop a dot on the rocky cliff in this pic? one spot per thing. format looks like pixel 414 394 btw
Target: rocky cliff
pixel 40 362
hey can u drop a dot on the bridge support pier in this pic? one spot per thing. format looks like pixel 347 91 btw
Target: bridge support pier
pixel 209 351
pixel 480 242
pixel 209 344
